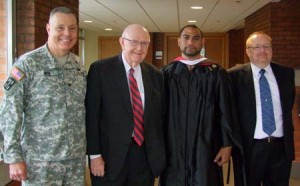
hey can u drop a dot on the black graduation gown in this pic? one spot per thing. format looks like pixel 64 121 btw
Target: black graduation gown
pixel 199 123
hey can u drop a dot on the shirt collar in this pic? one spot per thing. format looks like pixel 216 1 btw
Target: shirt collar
pixel 127 66
pixel 190 62
pixel 255 70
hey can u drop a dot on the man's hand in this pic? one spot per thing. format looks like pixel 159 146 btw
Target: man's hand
pixel 18 171
pixel 223 155
pixel 97 166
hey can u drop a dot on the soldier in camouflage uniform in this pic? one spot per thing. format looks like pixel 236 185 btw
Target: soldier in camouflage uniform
pixel 43 113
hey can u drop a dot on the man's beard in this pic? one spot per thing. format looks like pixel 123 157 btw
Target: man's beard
pixel 190 54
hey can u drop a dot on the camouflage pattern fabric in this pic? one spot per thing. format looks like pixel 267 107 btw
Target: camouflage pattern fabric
pixel 1 141
pixel 42 113
pixel 56 173
pixel 1 146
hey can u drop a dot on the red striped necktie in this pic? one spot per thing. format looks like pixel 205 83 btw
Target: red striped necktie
pixel 137 108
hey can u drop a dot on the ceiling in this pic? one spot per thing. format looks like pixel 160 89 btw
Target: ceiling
pixel 166 15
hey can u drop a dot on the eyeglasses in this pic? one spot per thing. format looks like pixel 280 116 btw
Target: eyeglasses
pixel 135 43
pixel 259 47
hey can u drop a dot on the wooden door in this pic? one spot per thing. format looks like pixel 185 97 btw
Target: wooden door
pixel 172 48
pixel 110 46
pixel 216 48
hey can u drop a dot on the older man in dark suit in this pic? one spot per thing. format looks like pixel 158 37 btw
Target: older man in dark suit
pixel 125 113
pixel 265 93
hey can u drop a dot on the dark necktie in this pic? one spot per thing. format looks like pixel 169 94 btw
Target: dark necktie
pixel 137 108
pixel 266 104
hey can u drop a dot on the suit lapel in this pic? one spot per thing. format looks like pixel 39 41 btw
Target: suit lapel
pixel 120 80
pixel 147 90
pixel 280 83
pixel 122 83
pixel 249 85
pixel 250 94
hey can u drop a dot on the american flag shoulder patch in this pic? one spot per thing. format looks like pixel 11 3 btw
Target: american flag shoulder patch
pixel 17 74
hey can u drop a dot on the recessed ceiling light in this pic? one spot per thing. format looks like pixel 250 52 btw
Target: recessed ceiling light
pixel 88 21
pixel 197 7
pixel 108 29
pixel 192 21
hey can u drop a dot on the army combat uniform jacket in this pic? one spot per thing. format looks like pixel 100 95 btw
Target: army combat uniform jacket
pixel 42 113
pixel 1 146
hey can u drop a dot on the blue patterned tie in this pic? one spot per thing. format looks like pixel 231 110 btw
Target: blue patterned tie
pixel 266 104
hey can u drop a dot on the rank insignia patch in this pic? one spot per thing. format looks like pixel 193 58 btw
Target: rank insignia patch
pixel 9 83
pixel 17 74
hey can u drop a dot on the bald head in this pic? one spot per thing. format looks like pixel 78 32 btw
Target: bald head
pixel 254 35
pixel 136 30
pixel 135 41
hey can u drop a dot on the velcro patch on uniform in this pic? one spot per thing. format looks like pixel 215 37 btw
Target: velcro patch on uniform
pixel 17 73
pixel 9 83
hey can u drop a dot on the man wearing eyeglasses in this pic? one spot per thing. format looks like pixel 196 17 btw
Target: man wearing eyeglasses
pixel 125 114
pixel 265 92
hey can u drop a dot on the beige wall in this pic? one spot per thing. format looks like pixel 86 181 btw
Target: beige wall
pixel 91 46
pixel 297 77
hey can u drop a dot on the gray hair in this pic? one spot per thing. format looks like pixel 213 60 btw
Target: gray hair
pixel 62 9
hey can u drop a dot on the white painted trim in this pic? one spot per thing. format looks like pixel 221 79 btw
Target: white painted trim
pixel 11 33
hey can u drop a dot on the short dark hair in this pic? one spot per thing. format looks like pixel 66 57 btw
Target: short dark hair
pixel 191 26
pixel 64 10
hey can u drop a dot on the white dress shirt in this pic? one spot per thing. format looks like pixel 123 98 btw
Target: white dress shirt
pixel 139 80
pixel 138 77
pixel 259 133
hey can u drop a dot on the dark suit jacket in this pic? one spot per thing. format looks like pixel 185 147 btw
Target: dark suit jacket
pixel 109 118
pixel 243 88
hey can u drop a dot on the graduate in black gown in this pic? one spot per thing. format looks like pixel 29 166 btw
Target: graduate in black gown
pixel 200 132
